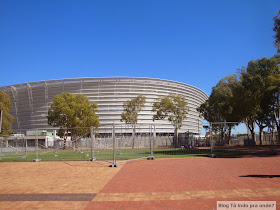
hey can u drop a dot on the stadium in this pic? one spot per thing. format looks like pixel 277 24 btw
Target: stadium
pixel 32 100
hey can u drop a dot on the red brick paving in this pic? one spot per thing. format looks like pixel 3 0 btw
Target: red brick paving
pixel 196 204
pixel 195 174
pixel 189 183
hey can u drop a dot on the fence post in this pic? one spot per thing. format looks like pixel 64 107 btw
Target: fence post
pixel 211 142
pixel 92 158
pixel 152 134
pixel 271 143
pixel 114 164
pixel 25 145
pixel 36 147
pixel 55 143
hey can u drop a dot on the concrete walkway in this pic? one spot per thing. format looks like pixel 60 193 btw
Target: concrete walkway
pixel 189 183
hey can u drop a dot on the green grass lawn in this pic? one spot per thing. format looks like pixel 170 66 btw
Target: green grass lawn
pixel 121 154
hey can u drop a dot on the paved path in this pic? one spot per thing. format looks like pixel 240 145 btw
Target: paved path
pixel 189 183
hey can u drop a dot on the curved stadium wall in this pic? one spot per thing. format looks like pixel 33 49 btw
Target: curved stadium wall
pixel 32 100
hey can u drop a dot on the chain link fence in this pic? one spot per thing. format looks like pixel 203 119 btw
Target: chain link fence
pixel 113 143
pixel 13 147
pixel 224 144
pixel 107 143
pixel 244 146
pixel 116 143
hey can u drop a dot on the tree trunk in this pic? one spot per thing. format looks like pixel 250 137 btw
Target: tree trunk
pixel 277 125
pixel 176 136
pixel 73 142
pixel 64 140
pixel 251 125
pixel 222 135
pixel 248 131
pixel 261 131
pixel 278 131
pixel 261 127
pixel 253 136
pixel 276 116
pixel 278 137
pixel 133 136
pixel 229 133
pixel 64 143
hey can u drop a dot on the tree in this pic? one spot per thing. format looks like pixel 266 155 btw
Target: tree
pixel 5 106
pixel 73 111
pixel 131 111
pixel 256 81
pixel 210 112
pixel 273 90
pixel 174 108
pixel 277 30
pixel 224 105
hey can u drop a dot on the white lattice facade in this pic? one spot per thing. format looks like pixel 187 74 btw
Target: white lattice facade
pixel 31 101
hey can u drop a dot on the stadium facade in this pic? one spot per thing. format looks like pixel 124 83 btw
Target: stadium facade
pixel 32 100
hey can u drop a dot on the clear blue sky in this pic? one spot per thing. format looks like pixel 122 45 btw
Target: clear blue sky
pixel 196 42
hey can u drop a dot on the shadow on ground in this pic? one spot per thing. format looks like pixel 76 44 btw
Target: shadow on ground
pixel 237 154
pixel 262 176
